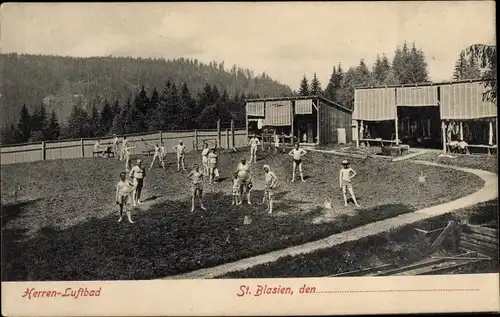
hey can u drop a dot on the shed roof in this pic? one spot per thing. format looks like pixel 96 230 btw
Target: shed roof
pixel 328 102
pixel 423 84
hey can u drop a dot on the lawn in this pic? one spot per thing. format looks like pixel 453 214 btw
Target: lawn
pixel 482 162
pixel 400 247
pixel 66 229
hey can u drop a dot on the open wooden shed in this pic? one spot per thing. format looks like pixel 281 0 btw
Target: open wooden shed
pixel 311 120
pixel 427 115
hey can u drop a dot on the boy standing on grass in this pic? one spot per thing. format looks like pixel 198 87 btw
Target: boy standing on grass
pixel 236 190
pixel 254 143
pixel 345 179
pixel 197 189
pixel 271 182
pixel 204 158
pixel 180 149
pixel 124 189
pixel 245 178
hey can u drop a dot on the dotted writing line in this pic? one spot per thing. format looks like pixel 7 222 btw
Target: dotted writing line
pixel 402 290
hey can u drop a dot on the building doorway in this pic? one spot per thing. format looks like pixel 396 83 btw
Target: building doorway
pixel 420 126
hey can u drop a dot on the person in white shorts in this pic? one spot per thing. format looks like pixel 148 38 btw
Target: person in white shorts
pixel 158 153
pixel 180 149
pixel 245 178
pixel 124 147
pixel 138 173
pixel 345 179
pixel 254 143
pixel 271 181
pixel 124 192
pixel 97 147
pixel 236 190
pixel 212 166
pixel 197 186
pixel 204 158
pixel 276 143
pixel 297 155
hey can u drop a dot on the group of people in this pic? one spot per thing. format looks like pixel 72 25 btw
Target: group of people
pixel 130 190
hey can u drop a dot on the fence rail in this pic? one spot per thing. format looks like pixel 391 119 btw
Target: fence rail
pixel 68 149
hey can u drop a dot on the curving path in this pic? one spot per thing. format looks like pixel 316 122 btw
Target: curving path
pixel 488 192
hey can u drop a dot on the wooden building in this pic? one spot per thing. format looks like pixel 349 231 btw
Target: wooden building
pixel 310 120
pixel 427 115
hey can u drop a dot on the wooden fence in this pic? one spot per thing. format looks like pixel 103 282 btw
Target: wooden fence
pixel 68 149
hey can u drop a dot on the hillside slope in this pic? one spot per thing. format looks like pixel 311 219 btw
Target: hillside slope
pixel 60 82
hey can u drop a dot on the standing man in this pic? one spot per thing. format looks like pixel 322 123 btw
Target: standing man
pixel 158 153
pixel 297 155
pixel 124 146
pixel 204 158
pixel 345 178
pixel 212 166
pixel 124 191
pixel 245 178
pixel 180 149
pixel 127 157
pixel 115 147
pixel 197 187
pixel 254 143
pixel 271 181
pixel 138 173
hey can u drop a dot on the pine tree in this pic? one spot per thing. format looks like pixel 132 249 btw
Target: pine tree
pixel 94 122
pixel 460 67
pixel 53 129
pixel 106 119
pixel 304 87
pixel 487 56
pixel 472 69
pixel 330 91
pixel 9 135
pixel 315 86
pixel 77 126
pixel 418 68
pixel 142 100
pixel 24 125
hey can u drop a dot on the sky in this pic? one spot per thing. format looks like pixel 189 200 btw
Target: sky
pixel 286 39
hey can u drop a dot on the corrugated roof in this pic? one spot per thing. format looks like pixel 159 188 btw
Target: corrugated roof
pixel 329 102
pixel 423 84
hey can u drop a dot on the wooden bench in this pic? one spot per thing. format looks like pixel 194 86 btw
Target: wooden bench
pixel 148 152
pixel 479 239
pixel 492 149
pixel 378 140
pixel 107 152
pixel 97 153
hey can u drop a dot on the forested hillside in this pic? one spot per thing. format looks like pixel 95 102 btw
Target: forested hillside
pixel 61 82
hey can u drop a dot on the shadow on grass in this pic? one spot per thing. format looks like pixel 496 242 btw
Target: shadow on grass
pixel 12 211
pixel 169 240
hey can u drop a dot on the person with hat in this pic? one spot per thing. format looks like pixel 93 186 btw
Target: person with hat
pixel 345 179
pixel 180 149
pixel 245 178
pixel 254 143
pixel 271 181
pixel 138 173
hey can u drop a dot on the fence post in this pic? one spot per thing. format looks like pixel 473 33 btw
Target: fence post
pixel 232 134
pixel 161 136
pixel 43 150
pixel 227 139
pixel 82 148
pixel 196 139
pixel 218 133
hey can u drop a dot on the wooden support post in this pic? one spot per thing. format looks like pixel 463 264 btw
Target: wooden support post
pixel 82 148
pixel 227 138
pixel 218 134
pixel 397 127
pixel 43 151
pixel 443 135
pixel 196 140
pixel 161 136
pixel 232 135
pixel 318 130
pixel 358 136
pixel 448 231
pixel 461 130
pixel 293 134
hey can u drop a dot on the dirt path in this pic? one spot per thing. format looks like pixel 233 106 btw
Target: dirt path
pixel 488 192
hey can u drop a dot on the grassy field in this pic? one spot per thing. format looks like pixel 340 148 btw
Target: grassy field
pixel 67 230
pixel 483 162
pixel 399 247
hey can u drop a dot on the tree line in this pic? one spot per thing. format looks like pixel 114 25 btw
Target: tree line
pixel 409 66
pixel 59 81
pixel 172 108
